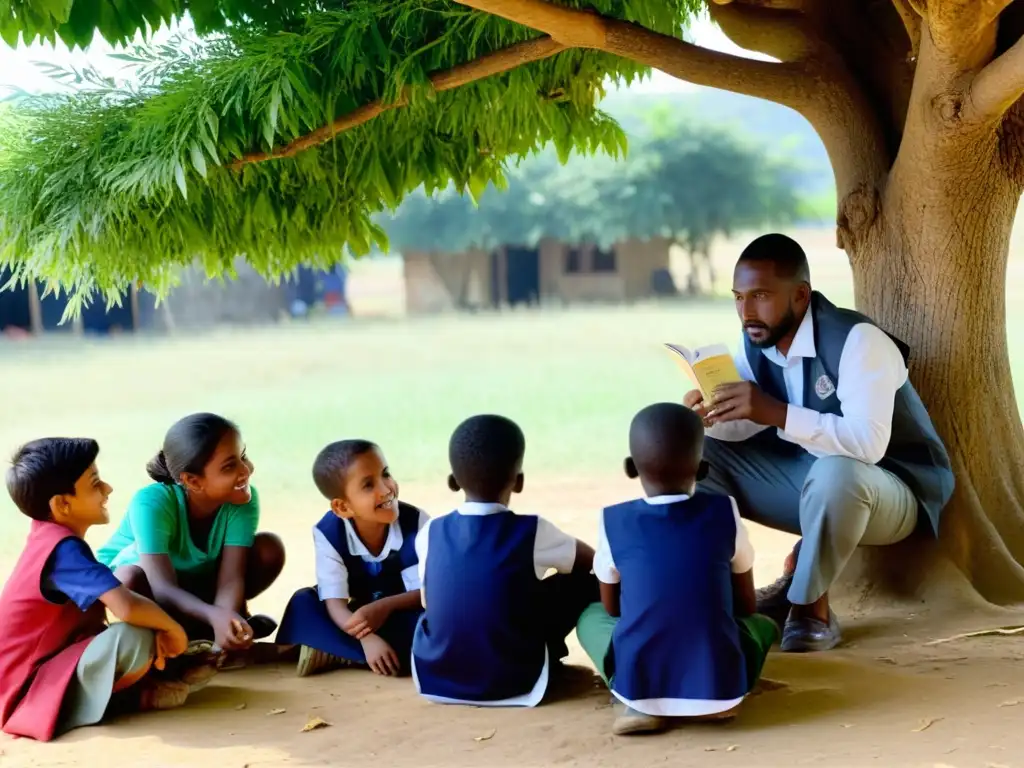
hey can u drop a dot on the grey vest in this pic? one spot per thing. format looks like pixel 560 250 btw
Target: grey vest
pixel 915 453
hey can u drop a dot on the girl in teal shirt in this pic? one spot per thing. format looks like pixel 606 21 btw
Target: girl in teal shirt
pixel 189 540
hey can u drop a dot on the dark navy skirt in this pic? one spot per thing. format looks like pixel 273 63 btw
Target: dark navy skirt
pixel 306 622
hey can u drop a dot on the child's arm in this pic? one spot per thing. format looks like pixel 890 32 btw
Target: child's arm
pixel 164 583
pixel 154 520
pixel 230 592
pixel 337 609
pixel 332 581
pixel 239 534
pixel 132 608
pixel 608 577
pixel 744 596
pixel 553 548
pixel 584 562
pixel 610 598
pixel 228 627
pixel 372 616
pixel 139 611
pixel 73 573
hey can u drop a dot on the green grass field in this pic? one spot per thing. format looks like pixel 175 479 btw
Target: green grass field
pixel 572 379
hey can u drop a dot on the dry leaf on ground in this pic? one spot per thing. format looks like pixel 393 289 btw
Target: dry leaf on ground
pixel 926 724
pixel 487 736
pixel 280 711
pixel 315 723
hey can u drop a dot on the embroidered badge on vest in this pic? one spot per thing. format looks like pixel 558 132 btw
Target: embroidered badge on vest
pixel 824 387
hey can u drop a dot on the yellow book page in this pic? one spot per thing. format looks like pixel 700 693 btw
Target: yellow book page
pixel 714 371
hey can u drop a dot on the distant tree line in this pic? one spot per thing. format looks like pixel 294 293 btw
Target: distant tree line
pixel 680 181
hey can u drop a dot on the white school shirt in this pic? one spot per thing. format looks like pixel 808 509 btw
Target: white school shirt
pixel 871 370
pixel 605 570
pixel 552 549
pixel 331 573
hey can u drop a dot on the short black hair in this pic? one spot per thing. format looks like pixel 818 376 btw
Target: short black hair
pixel 783 252
pixel 331 465
pixel 46 468
pixel 188 445
pixel 666 442
pixel 486 453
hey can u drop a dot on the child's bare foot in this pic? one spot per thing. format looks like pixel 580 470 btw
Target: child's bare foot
pixel 632 722
pixel 162 694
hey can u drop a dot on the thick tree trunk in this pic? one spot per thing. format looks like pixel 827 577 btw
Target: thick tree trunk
pixel 931 269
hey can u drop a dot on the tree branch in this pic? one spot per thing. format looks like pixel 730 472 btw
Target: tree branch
pixel 445 80
pixel 998 86
pixel 910 13
pixel 785 5
pixel 786 83
pixel 991 9
pixel 820 87
pixel 782 34
pixel 964 31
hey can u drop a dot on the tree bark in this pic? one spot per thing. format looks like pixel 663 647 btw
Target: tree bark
pixel 931 269
pixel 35 309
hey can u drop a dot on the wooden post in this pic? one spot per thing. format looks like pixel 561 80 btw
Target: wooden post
pixel 133 297
pixel 502 277
pixel 35 309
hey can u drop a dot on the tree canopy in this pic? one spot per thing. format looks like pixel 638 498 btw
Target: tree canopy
pixel 681 180
pixel 277 138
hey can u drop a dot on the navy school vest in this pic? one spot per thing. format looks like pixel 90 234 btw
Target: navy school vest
pixel 677 637
pixel 916 454
pixel 369 581
pixel 479 638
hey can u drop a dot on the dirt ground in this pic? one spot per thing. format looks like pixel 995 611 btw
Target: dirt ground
pixel 884 698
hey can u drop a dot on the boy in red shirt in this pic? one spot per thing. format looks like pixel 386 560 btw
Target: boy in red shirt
pixel 61 666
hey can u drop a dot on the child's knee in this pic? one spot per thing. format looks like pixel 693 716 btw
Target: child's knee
pixel 134 648
pixel 268 550
pixel 133 577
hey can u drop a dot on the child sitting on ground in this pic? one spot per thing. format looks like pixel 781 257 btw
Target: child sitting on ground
pixel 190 539
pixel 364 608
pixel 675 634
pixel 61 666
pixel 493 625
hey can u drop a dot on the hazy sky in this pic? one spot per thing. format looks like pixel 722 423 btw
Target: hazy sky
pixel 17 66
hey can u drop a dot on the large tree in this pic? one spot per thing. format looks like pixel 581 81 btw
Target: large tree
pixel 286 134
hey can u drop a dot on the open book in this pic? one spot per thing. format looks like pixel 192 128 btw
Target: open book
pixel 707 367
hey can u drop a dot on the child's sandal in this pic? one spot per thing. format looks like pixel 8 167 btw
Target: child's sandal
pixel 312 661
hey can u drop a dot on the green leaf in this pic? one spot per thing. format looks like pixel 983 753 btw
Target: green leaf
pixel 275 105
pixel 212 121
pixel 179 178
pixel 211 148
pixel 477 186
pixel 9 29
pixel 198 161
